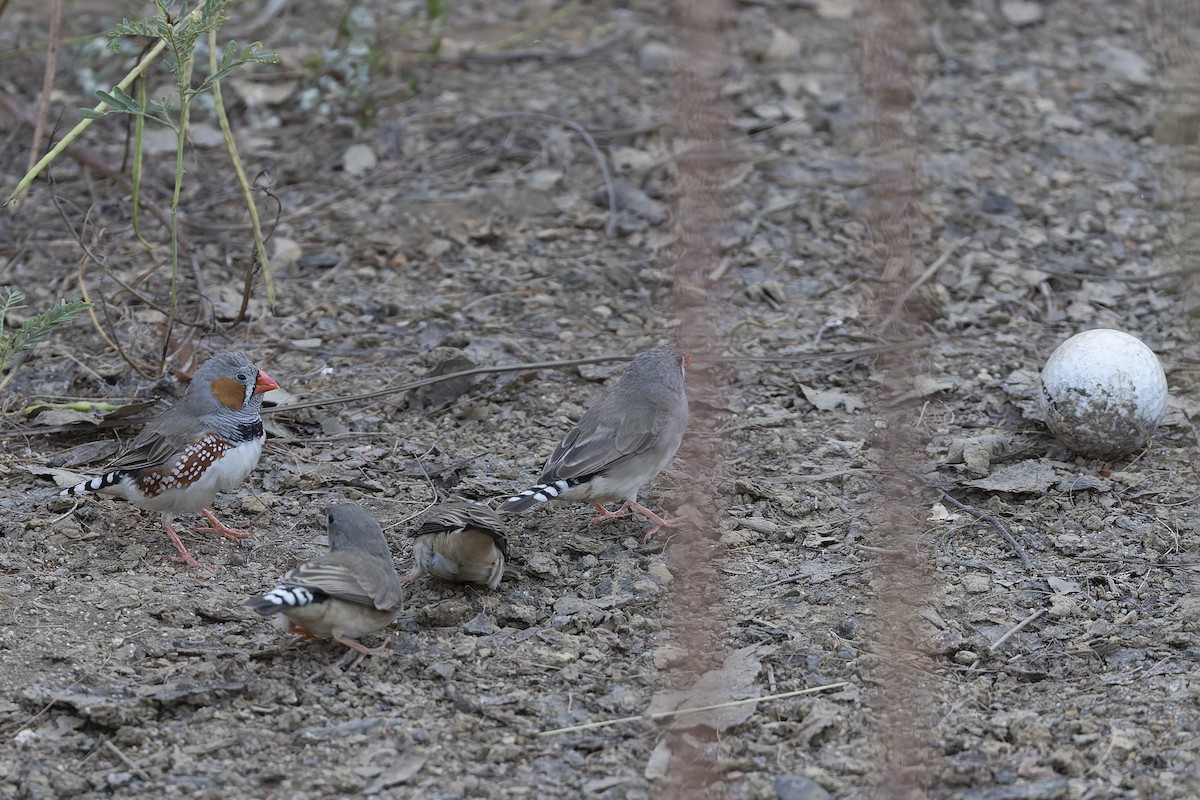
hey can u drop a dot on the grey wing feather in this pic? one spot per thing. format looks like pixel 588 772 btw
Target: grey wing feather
pixel 349 576
pixel 457 515
pixel 604 438
pixel 158 442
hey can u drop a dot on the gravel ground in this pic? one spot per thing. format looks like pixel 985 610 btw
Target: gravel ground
pixel 838 484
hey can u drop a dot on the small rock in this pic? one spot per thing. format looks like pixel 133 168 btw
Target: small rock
pixel 543 179
pixel 1124 64
pixel 1061 178
pixel 783 46
pixel 630 197
pixel 444 613
pixel 835 9
pixel 158 139
pixel 977 583
pixel 285 252
pixel 798 787
pixel 437 247
pixel 359 159
pixel 966 657
pixel 656 58
pixel 1063 606
pixel 667 655
pixel 480 625
pixel 1021 13
pixel 254 504
pixel 443 669
pixel 204 135
pixel 790 83
pixel 661 573
pixel 1065 122
pixel 660 760
pixel 115 780
pixel 994 203
pixel 570 606
pixel 541 565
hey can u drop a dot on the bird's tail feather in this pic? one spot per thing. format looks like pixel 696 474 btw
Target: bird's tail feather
pixel 97 484
pixel 541 493
pixel 280 599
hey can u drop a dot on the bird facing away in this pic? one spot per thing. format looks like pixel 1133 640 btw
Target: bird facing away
pixel 349 592
pixel 207 442
pixel 460 541
pixel 621 443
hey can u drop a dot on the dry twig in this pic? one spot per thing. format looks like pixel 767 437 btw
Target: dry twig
pixel 662 714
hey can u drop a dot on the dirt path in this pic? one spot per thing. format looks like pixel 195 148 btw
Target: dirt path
pixel 1042 205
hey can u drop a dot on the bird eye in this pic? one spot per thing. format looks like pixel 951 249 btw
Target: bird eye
pixel 241 377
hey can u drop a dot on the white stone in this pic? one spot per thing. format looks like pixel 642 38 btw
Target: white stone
pixel 1103 392
pixel 359 159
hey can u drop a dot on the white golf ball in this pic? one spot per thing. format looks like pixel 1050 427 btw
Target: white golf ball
pixel 1103 393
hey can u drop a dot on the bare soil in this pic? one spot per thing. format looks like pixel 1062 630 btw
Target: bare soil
pixel 416 232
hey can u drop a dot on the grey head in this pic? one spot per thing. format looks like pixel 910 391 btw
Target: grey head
pixel 664 365
pixel 352 528
pixel 228 381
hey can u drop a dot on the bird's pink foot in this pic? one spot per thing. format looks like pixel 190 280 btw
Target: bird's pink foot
pixel 360 648
pixel 606 515
pixel 221 529
pixel 659 522
pixel 184 556
pixel 302 634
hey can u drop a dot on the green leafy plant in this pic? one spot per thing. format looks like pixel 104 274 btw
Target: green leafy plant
pixel 180 38
pixel 176 32
pixel 35 330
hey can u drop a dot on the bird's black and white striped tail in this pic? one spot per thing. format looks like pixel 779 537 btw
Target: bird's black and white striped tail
pixel 97 484
pixel 281 598
pixel 541 493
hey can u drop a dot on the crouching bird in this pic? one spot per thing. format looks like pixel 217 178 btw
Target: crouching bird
pixel 351 591
pixel 460 541
pixel 208 442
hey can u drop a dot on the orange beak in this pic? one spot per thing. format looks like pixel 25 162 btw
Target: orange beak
pixel 687 359
pixel 265 383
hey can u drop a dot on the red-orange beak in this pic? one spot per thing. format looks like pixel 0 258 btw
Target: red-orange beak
pixel 687 359
pixel 265 383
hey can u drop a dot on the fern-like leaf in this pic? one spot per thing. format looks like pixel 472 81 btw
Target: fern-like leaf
pixel 36 329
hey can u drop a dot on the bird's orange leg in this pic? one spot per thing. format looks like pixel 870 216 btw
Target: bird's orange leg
pixel 659 522
pixel 302 634
pixel 606 515
pixel 221 529
pixel 184 556
pixel 360 648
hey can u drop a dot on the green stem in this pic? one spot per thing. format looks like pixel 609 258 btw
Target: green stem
pixel 83 124
pixel 139 131
pixel 180 140
pixel 240 172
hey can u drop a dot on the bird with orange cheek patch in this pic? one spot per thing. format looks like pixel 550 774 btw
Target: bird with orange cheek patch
pixel 208 442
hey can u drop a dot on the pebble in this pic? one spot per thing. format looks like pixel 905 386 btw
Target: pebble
pixel 1022 13
pixel 480 625
pixel 656 58
pixel 359 159
pixel 798 787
